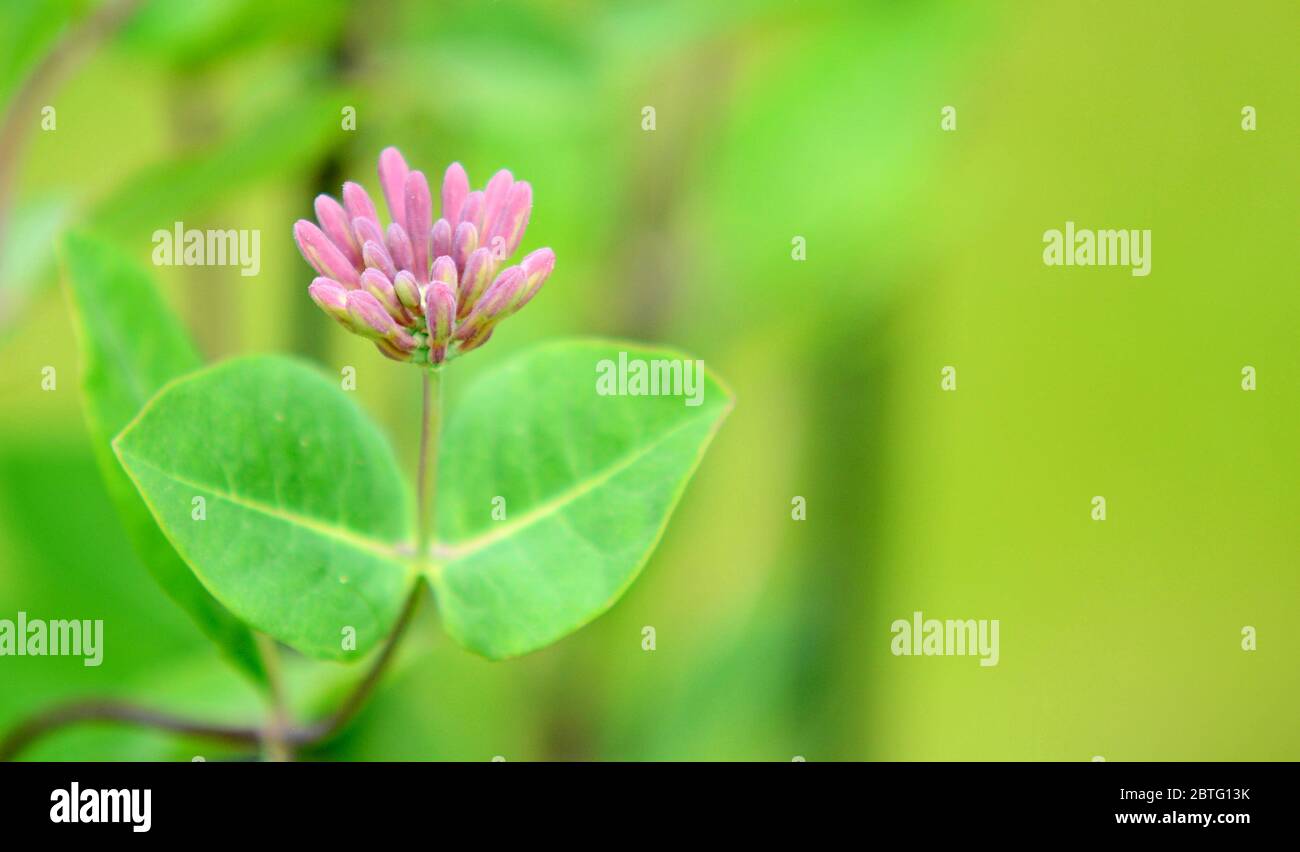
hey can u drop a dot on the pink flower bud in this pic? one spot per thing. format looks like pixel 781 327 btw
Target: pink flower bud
pixel 392 178
pixel 323 255
pixel 377 257
pixel 444 270
pixel 537 267
pixel 479 269
pixel 463 244
pixel 472 210
pixel 367 230
pixel 369 317
pixel 478 339
pixel 377 284
pixel 334 222
pixel 359 206
pixel 332 299
pixel 495 304
pixel 390 350
pixel 399 247
pixel 408 291
pixel 441 238
pixel 513 218
pixel 439 311
pixel 455 186
pixel 419 219
pixel 442 276
pixel 494 200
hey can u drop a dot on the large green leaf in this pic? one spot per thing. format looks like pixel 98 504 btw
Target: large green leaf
pixel 131 345
pixel 588 481
pixel 307 513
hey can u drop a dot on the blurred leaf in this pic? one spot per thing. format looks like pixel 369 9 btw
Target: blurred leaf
pixel 131 345
pixel 199 32
pixel 293 135
pixel 27 30
pixel 26 253
pixel 305 504
pixel 588 480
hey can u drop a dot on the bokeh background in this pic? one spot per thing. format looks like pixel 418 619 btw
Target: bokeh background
pixel 773 120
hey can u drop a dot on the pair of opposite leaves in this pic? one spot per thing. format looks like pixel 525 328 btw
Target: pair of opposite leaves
pixel 308 514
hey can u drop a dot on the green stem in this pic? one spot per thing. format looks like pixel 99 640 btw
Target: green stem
pixel 425 483
pixel 430 431
pixel 279 725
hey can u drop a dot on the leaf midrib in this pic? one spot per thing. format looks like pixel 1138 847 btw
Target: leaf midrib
pixel 448 553
pixel 343 534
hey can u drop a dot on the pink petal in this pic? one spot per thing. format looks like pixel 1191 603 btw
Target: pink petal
pixel 392 178
pixel 334 222
pixel 513 219
pixel 479 269
pixel 455 186
pixel 494 199
pixel 441 238
pixel 419 219
pixel 463 244
pixel 358 204
pixel 399 246
pixel 323 255
pixel 377 257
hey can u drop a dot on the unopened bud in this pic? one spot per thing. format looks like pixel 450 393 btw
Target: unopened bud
pixel 332 299
pixel 392 178
pixel 495 196
pixel 377 284
pixel 472 210
pixel 497 302
pixel 479 269
pixel 478 339
pixel 444 269
pixel 441 238
pixel 399 246
pixel 357 203
pixel 439 311
pixel 334 222
pixel 367 231
pixel 408 291
pixel 369 317
pixel 377 257
pixel 323 255
pixel 513 218
pixel 537 266
pixel 455 186
pixel 419 219
pixel 464 244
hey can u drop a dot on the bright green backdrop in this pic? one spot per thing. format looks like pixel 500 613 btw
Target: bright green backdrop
pixel 773 120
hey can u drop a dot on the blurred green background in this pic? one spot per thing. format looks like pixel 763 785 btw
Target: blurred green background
pixel 773 120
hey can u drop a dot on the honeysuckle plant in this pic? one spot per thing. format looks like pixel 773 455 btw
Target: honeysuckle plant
pixel 272 509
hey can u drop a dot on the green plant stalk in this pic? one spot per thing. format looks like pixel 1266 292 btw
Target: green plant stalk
pixel 277 736
pixel 425 487
pixel 275 747
pixel 430 432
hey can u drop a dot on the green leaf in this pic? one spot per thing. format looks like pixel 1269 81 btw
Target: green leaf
pixel 306 511
pixel 131 345
pixel 588 480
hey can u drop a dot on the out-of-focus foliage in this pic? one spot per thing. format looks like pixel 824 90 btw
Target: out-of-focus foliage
pixel 773 120
pixel 130 345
